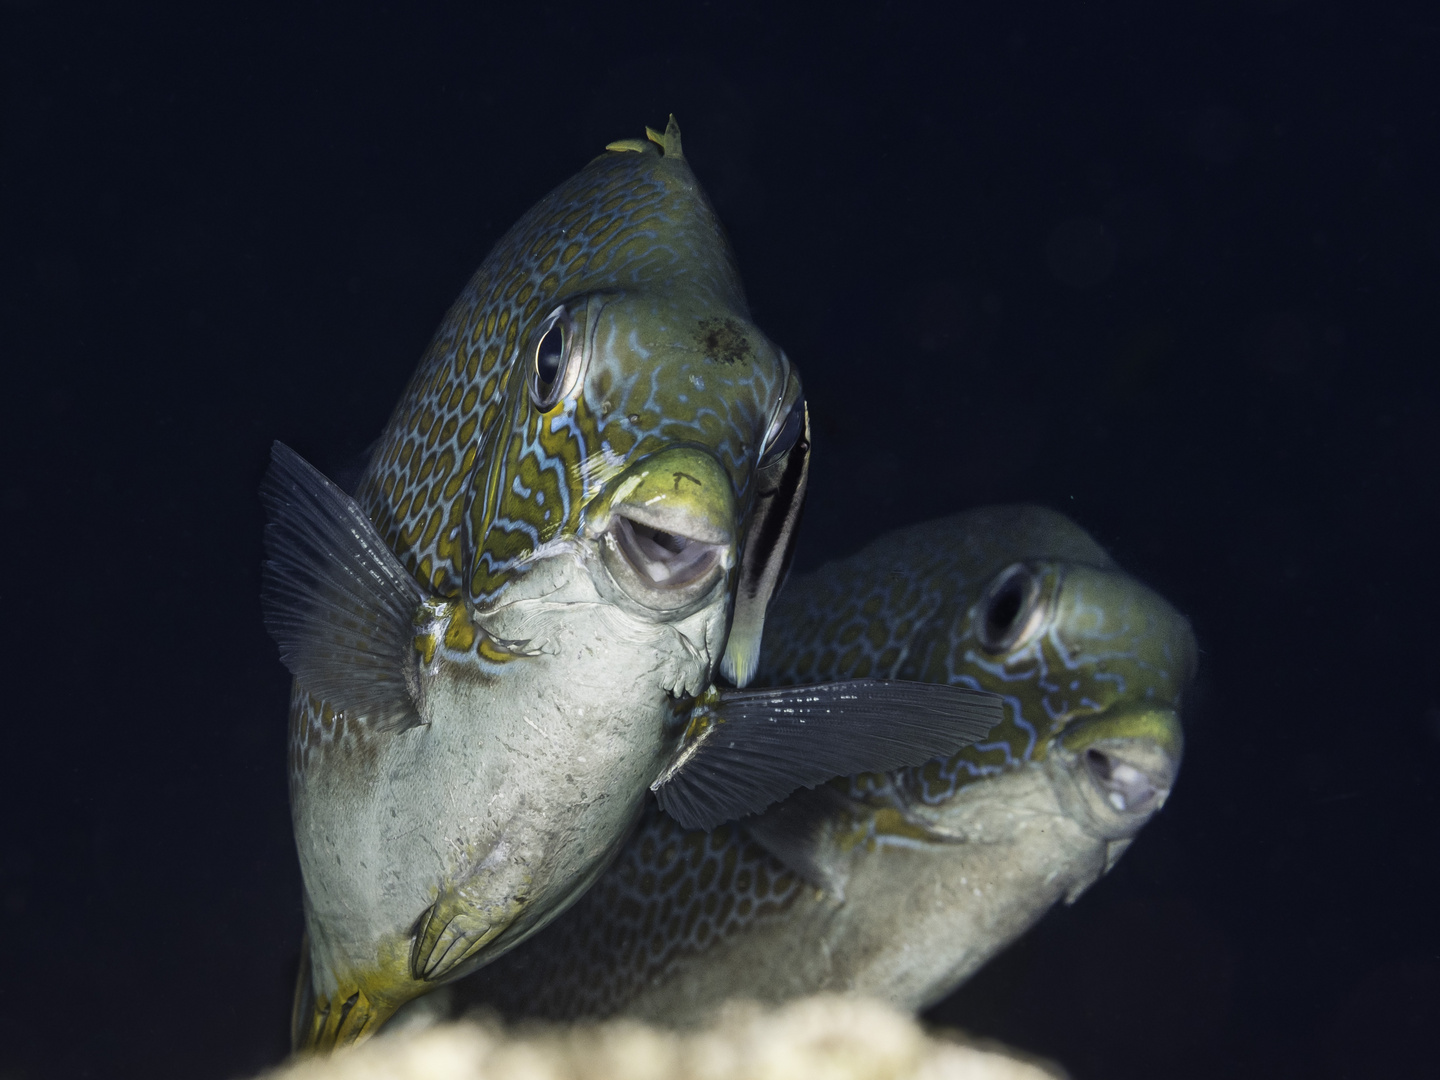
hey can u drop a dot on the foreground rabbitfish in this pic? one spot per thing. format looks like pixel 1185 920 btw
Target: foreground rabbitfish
pixel 898 885
pixel 578 511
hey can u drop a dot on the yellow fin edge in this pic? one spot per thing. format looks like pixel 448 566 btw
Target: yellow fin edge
pixel 668 141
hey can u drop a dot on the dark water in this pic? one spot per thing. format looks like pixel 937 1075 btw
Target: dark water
pixel 1174 272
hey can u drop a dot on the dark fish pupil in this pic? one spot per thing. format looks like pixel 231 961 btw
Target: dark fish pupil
pixel 548 355
pixel 1004 608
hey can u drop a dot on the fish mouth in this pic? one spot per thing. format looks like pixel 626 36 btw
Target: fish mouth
pixel 1113 773
pixel 670 530
pixel 1128 785
pixel 666 559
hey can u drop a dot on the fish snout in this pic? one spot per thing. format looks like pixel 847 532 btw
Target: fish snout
pixel 670 531
pixel 1112 773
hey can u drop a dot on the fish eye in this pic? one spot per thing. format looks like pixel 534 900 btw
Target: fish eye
pixel 550 354
pixel 1008 612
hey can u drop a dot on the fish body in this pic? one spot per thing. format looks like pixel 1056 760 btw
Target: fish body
pixel 577 513
pixel 899 885
pixel 600 370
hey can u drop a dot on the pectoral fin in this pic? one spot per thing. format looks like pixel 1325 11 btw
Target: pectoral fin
pixel 336 599
pixel 797 832
pixel 744 749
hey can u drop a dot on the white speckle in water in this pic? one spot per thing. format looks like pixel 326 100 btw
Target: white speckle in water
pixel 697 382
pixel 1117 800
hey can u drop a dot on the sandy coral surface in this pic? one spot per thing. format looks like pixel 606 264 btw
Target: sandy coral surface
pixel 820 1038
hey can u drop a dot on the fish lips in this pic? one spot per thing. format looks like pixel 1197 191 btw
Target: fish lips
pixel 1112 773
pixel 667 532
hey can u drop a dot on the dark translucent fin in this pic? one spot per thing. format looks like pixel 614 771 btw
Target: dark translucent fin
pixel 302 1008
pixel 796 831
pixel 336 600
pixel 769 546
pixel 347 476
pixel 760 745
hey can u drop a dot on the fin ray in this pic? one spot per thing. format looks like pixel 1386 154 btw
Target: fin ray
pixel 336 599
pixel 760 745
pixel 796 831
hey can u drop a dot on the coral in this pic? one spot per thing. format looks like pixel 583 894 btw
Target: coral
pixel 819 1038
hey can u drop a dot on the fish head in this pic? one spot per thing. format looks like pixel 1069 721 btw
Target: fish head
pixel 641 426
pixel 1093 666
pixel 965 852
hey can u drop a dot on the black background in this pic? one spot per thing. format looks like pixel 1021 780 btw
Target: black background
pixel 1170 269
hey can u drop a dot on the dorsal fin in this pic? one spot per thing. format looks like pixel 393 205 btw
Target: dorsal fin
pixel 638 146
pixel 669 140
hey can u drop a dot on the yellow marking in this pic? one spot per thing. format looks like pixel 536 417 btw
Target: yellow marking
pixel 890 822
pixel 493 652
pixel 627 486
pixel 467 429
pixel 363 1000
pixel 637 146
pixel 459 632
pixel 432 527
pixel 1161 726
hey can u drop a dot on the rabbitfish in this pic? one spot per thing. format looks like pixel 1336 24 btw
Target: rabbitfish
pixel 898 885
pixel 577 512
